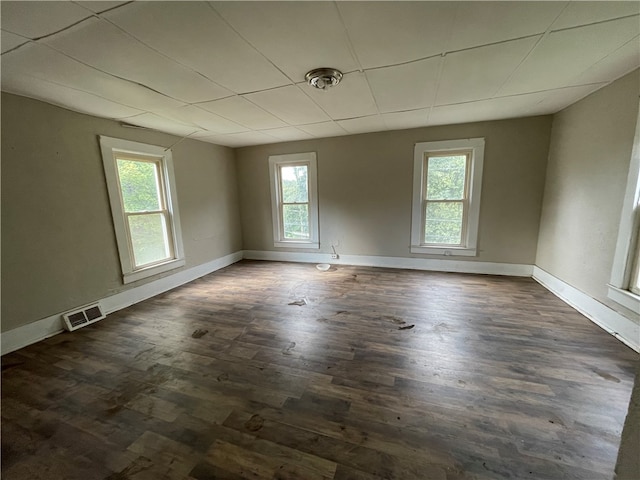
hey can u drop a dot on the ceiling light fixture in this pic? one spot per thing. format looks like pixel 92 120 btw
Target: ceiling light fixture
pixel 323 78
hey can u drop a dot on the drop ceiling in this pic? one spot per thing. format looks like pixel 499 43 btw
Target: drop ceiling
pixel 232 73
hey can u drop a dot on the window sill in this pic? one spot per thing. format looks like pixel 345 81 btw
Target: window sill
pixel 625 298
pixel 153 270
pixel 446 252
pixel 294 244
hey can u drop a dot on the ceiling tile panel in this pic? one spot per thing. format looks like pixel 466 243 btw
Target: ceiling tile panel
pixel 239 139
pixel 37 19
pixel 614 65
pixel 242 111
pixel 296 36
pixel 64 96
pixel 405 87
pixel 101 44
pixel 480 23
pixel 478 73
pixel 563 55
pixel 583 13
pixel 289 104
pixel 388 33
pixel 350 98
pixel 323 129
pixel 42 62
pixel 156 122
pixel 194 34
pixel 99 6
pixel 373 123
pixel 11 40
pixel 411 119
pixel 555 100
pixel 288 134
pixel 203 119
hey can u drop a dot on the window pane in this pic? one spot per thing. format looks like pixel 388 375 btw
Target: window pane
pixel 443 223
pixel 139 183
pixel 295 219
pixel 445 177
pixel 150 238
pixel 294 184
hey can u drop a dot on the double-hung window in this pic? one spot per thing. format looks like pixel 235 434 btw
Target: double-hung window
pixel 144 207
pixel 294 200
pixel 624 287
pixel 446 197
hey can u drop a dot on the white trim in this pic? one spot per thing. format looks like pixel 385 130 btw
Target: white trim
pixel 630 216
pixel 470 240
pixel 625 298
pixel 410 263
pixel 109 147
pixel 621 327
pixel 310 159
pixel 47 327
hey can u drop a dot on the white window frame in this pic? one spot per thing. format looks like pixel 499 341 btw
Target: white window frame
pixel 275 162
pixel 472 214
pixel 111 148
pixel 628 237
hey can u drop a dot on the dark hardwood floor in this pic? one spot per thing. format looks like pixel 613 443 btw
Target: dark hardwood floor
pixel 378 374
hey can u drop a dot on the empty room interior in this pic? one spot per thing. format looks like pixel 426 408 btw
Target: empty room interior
pixel 320 240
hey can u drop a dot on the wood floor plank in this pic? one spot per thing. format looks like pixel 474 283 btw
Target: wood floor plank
pixel 228 378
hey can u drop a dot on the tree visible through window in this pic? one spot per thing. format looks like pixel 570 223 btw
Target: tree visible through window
pixel 445 202
pixel 295 202
pixel 145 210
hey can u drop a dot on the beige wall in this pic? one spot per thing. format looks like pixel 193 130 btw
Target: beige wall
pixel 589 156
pixel 58 243
pixel 365 182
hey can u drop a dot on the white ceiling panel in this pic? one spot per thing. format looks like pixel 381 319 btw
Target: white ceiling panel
pixel 556 100
pixel 194 34
pixel 242 111
pixel 11 40
pixel 288 134
pixel 405 87
pixel 45 63
pixel 363 124
pixel 481 23
pixel 239 139
pixel 563 55
pixel 477 73
pixel 323 129
pixel 388 33
pixel 352 97
pixel 583 13
pixel 37 19
pixel 411 119
pixel 64 96
pixel 289 104
pixel 156 122
pixel 296 36
pixel 99 6
pixel 203 119
pixel 614 65
pixel 100 44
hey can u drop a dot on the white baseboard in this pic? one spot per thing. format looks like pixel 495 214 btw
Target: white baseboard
pixel 458 266
pixel 621 327
pixel 47 327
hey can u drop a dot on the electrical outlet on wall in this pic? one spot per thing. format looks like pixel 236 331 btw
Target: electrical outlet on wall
pixel 334 255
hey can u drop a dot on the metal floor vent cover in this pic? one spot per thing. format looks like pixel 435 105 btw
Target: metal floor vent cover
pixel 82 317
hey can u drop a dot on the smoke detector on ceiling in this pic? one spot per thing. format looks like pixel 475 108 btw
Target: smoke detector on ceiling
pixel 323 78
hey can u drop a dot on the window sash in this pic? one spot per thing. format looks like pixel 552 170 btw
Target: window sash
pixel 464 200
pixel 634 285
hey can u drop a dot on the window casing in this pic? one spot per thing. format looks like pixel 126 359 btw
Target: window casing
pixel 144 207
pixel 624 286
pixel 294 200
pixel 447 180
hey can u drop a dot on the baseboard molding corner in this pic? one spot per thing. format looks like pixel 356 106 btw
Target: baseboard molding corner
pixel 614 323
pixel 33 332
